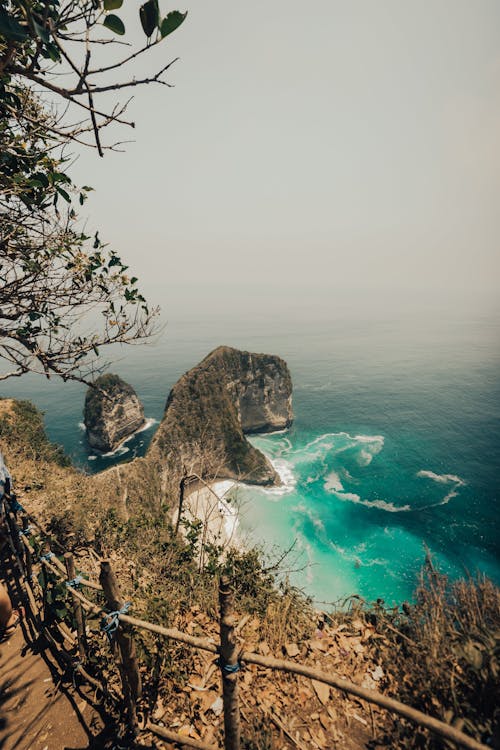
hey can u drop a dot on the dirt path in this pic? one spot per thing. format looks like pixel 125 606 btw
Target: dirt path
pixel 40 706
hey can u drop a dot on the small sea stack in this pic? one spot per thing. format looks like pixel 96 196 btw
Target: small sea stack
pixel 112 413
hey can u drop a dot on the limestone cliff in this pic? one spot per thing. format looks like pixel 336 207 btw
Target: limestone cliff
pixel 112 412
pixel 211 407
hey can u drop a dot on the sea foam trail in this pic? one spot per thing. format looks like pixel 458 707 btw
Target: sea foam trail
pixel 380 504
pixel 369 446
pixel 333 483
pixel 441 478
pixel 453 479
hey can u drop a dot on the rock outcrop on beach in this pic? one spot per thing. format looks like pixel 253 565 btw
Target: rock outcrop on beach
pixel 112 413
pixel 212 406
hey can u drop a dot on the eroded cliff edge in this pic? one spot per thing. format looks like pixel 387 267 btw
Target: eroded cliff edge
pixel 212 406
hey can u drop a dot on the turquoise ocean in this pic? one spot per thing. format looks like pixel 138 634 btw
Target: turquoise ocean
pixel 394 447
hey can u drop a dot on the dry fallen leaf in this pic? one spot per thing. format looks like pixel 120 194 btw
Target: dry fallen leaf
pixel 292 649
pixel 217 706
pixel 317 645
pixel 377 673
pixel 321 690
pixel 325 721
pixel 332 712
pixel 359 718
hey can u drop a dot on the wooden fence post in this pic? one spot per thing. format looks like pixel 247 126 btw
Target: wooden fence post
pixel 129 670
pixel 14 535
pixel 182 487
pixel 45 582
pixel 229 665
pixel 28 562
pixel 69 561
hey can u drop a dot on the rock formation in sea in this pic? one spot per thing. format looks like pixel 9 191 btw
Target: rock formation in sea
pixel 212 406
pixel 112 412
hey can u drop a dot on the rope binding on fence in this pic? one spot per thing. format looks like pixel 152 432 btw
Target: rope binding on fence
pixel 75 582
pixel 15 505
pixel 111 620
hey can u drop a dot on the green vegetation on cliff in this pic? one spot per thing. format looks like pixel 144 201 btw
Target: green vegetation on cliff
pixel 112 386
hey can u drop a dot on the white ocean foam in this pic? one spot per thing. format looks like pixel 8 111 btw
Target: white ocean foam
pixel 317 441
pixel 354 558
pixel 441 478
pixel 369 439
pixel 122 448
pixel 120 451
pixel 380 504
pixel 91 458
pixel 305 511
pixel 333 483
pixel 285 472
pixel 372 446
pixel 81 426
pixel 149 422
pixel 364 458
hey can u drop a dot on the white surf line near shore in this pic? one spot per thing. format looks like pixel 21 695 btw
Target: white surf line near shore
pixel 120 450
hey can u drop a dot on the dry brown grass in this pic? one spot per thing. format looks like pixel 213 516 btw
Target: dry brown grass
pixel 442 655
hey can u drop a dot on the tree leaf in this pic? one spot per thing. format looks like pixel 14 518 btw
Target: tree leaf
pixel 172 21
pixel 150 15
pixel 10 28
pixel 41 31
pixel 64 194
pixel 112 4
pixel 115 24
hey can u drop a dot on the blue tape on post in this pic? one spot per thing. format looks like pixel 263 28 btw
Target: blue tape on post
pixel 228 668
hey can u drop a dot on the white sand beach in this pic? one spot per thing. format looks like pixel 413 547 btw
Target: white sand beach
pixel 209 503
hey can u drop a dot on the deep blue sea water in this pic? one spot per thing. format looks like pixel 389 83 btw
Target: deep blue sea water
pixel 394 444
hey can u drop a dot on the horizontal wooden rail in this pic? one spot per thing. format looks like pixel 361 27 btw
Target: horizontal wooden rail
pixel 179 739
pixel 371 696
pixel 283 665
pixel 177 635
pixel 62 570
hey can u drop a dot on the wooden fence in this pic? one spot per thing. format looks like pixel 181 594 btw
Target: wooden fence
pixel 119 627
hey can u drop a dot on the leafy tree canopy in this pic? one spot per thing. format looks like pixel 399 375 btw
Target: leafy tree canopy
pixel 51 273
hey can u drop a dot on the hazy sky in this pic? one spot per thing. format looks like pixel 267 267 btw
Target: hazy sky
pixel 349 149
